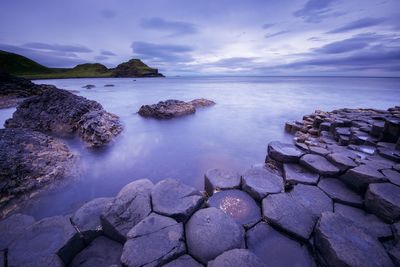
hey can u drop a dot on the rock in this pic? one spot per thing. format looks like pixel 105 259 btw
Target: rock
pixel 101 252
pixel 360 177
pixel 283 211
pixel 392 175
pixel 237 204
pixel 273 247
pixel 339 192
pixel 174 199
pixel 259 181
pixel 183 261
pixel 342 161
pixel 129 207
pixel 89 86
pixel 384 200
pixel 392 154
pixel 167 109
pixel 201 102
pixel 29 161
pixel 377 128
pixel 109 85
pixel 319 165
pixel 281 152
pixel 295 174
pixel 218 179
pixel 312 198
pixel 62 113
pixel 394 253
pixel 371 224
pixel 370 150
pixel 318 150
pixel 341 243
pixel 135 68
pixel 391 131
pixel 210 232
pixel 237 257
pixel 12 227
pixel 154 241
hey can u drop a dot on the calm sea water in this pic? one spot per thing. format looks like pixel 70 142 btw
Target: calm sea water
pixel 250 112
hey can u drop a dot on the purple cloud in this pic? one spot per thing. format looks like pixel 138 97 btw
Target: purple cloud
pixel 359 24
pixel 174 27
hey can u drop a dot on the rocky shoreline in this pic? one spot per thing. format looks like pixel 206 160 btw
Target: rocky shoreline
pixel 332 198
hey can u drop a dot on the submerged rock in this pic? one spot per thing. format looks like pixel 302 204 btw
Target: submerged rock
pixel 201 102
pixel 89 86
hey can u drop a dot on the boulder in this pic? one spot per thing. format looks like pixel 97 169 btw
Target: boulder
pixel 218 179
pixel 296 174
pixel 174 199
pixel 129 207
pixel 259 181
pixel 360 177
pixel 167 109
pixel 383 199
pixel 273 247
pixel 12 227
pixel 89 86
pixel 341 243
pixel 319 164
pixel 339 192
pixel 183 261
pixel 154 241
pixel 392 175
pixel 210 232
pixel 237 257
pixel 281 152
pixel 201 102
pixel 312 198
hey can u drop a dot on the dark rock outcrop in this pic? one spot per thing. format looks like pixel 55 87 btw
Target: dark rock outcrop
pixel 135 68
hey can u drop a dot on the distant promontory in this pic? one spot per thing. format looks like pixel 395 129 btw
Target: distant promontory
pixel 24 67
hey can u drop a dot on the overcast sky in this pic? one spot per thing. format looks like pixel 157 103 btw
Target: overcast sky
pixel 210 37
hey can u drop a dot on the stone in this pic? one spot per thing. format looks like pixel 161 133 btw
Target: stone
pixel 295 173
pixel 218 179
pixel 371 224
pixel 281 152
pixel 283 211
pixel 201 102
pixel 101 252
pixel 392 154
pixel 383 199
pixel 360 177
pixel 167 109
pixel 392 175
pixel 260 181
pixel 175 199
pixel 210 232
pixel 370 150
pixel 129 207
pixel 312 198
pixel 342 161
pixel 394 253
pixel 12 227
pixel 318 150
pixel 89 86
pixel 274 248
pixel 109 85
pixel 377 128
pixel 237 204
pixel 237 257
pixel 183 261
pixel 339 192
pixel 154 241
pixel 341 243
pixel 319 165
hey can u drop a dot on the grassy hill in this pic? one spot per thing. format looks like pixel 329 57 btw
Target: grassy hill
pixel 24 67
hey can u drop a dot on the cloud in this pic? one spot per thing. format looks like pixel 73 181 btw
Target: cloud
pixel 234 62
pixel 173 27
pixel 276 34
pixel 108 13
pixel 107 53
pixel 358 24
pixel 58 47
pixel 100 58
pixel 347 45
pixel 162 52
pixel 267 25
pixel 316 10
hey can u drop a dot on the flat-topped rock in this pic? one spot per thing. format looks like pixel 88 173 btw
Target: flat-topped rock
pixel 360 177
pixel 219 179
pixel 237 257
pixel 260 181
pixel 318 150
pixel 237 204
pixel 368 222
pixel 274 248
pixel 100 252
pixel 154 241
pixel 339 192
pixel 319 164
pixel 282 152
pixel 383 199
pixel 210 232
pixel 392 154
pixel 296 174
pixel 392 175
pixel 283 211
pixel 312 198
pixel 341 243
pixel 129 207
pixel 342 161
pixel 12 227
pixel 174 199
pixel 183 261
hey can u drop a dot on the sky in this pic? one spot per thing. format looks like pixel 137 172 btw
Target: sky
pixel 210 37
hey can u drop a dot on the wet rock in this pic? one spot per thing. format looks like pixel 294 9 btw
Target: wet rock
pixel 210 232
pixel 285 212
pixel 12 227
pixel 370 150
pixel 392 175
pixel 167 109
pixel 259 181
pixel 154 241
pixel 371 224
pixel 339 192
pixel 384 200
pixel 284 152
pixel 312 198
pixel 360 177
pixel 319 165
pixel 101 252
pixel 392 154
pixel 273 247
pixel 62 113
pixel 295 174
pixel 109 85
pixel 129 207
pixel 342 161
pixel 237 204
pixel 201 102
pixel 237 257
pixel 341 243
pixel 218 179
pixel 183 261
pixel 89 86
pixel 174 199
